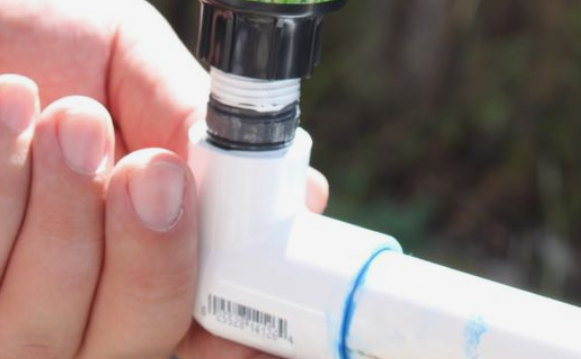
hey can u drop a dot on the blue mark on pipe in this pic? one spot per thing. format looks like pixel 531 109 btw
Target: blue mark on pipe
pixel 349 310
pixel 475 329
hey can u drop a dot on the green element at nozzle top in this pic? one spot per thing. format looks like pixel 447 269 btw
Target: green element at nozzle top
pixel 292 2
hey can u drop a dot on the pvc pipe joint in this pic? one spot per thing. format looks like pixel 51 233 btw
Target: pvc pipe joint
pixel 299 285
pixel 273 275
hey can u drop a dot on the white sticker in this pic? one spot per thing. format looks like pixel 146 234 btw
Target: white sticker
pixel 247 319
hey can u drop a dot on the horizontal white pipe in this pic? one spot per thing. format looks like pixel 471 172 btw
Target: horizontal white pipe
pixel 412 309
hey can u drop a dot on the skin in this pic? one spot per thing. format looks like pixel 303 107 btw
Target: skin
pixel 93 136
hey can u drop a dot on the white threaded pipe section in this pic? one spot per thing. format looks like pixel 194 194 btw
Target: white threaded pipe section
pixel 253 94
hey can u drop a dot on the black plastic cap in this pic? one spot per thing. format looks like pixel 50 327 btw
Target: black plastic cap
pixel 263 41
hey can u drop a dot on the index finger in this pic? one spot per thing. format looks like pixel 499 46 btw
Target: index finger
pixel 156 88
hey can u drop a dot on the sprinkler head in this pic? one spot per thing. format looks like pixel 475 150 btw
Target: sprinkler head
pixel 263 39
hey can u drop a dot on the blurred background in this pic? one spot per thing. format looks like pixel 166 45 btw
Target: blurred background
pixel 454 125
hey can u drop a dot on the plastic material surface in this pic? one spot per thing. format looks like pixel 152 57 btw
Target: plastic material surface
pixel 413 309
pixel 300 285
pixel 272 275
pixel 252 114
pixel 244 41
pixel 253 94
pixel 283 7
pixel 292 2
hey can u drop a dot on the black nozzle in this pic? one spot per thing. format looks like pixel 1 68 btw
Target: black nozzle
pixel 262 40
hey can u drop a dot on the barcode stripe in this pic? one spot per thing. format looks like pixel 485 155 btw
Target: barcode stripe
pixel 217 305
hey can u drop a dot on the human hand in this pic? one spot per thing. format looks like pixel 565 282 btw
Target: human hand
pixel 83 278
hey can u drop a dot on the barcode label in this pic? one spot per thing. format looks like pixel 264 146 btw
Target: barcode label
pixel 247 318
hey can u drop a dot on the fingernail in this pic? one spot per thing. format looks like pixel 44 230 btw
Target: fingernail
pixel 157 193
pixel 83 141
pixel 18 102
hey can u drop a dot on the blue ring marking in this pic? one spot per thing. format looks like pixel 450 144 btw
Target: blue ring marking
pixel 349 311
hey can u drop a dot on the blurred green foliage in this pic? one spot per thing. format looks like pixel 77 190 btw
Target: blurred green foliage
pixel 455 125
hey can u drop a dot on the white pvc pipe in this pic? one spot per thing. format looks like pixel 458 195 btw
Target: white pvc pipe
pixel 299 285
pixel 411 309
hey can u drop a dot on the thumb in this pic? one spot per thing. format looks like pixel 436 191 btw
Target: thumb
pixel 156 87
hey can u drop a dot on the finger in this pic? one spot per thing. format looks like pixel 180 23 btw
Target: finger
pixel 200 344
pixel 317 191
pixel 156 87
pixel 63 45
pixel 146 293
pixel 120 148
pixel 19 106
pixel 52 273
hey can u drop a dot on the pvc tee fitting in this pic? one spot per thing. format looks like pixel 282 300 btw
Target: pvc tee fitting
pixel 299 285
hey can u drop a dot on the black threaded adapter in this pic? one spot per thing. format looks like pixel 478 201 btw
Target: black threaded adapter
pixel 242 129
pixel 262 40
